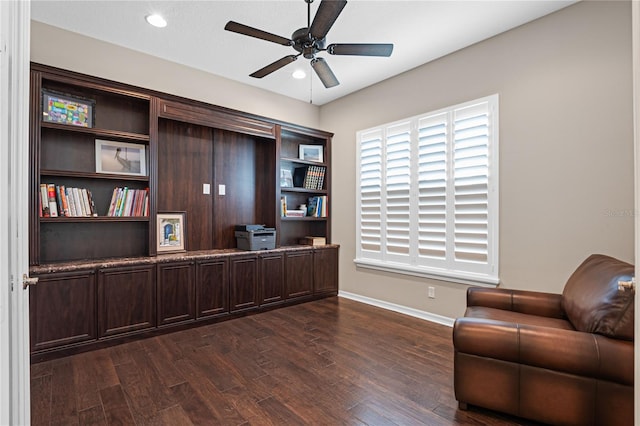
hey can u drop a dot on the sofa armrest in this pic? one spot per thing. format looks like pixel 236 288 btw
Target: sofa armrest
pixel 526 302
pixel 573 352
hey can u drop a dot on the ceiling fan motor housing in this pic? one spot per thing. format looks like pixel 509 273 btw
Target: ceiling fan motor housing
pixel 306 44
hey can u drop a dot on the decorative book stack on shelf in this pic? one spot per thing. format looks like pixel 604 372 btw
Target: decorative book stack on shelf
pixel 318 206
pixel 309 177
pixel 129 202
pixel 60 201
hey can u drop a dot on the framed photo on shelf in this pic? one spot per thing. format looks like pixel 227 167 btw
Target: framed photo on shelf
pixel 286 178
pixel 63 109
pixel 311 153
pixel 121 158
pixel 171 232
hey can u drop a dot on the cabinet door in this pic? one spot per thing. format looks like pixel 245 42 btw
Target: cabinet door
pixel 271 278
pixel 176 292
pixel 299 273
pixel 212 288
pixel 243 283
pixel 325 270
pixel 126 299
pixel 62 310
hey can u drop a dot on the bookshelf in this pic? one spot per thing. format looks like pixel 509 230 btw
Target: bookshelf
pixel 292 229
pixel 65 155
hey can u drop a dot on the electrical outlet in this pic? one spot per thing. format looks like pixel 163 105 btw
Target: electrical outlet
pixel 432 292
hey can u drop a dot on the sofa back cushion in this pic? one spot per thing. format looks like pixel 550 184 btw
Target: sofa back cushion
pixel 592 301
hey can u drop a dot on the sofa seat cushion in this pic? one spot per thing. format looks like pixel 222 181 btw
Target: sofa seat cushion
pixel 551 348
pixel 516 317
pixel 593 302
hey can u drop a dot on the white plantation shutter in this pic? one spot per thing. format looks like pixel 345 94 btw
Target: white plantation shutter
pixel 432 186
pixel 370 193
pixel 398 188
pixel 471 182
pixel 427 196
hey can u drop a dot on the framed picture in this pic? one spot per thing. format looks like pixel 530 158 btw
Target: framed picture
pixel 171 232
pixel 63 109
pixel 120 158
pixel 286 178
pixel 312 153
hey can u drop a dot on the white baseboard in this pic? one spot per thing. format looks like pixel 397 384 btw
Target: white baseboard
pixel 438 319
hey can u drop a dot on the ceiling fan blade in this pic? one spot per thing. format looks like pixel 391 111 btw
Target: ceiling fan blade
pixel 254 32
pixel 325 74
pixel 327 13
pixel 274 66
pixel 360 49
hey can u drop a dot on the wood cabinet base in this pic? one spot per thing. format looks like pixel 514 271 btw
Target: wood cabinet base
pixel 145 297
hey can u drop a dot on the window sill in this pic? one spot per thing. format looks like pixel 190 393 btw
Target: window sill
pixel 466 278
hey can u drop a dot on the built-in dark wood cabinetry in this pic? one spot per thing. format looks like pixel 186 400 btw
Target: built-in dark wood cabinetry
pixel 126 299
pixel 292 228
pixel 325 280
pixel 101 276
pixel 176 292
pixel 298 276
pixel 62 309
pixel 271 266
pixel 65 155
pixel 212 288
pixel 243 282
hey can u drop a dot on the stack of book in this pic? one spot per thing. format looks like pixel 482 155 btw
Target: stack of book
pixel 129 202
pixel 318 206
pixel 309 177
pixel 59 201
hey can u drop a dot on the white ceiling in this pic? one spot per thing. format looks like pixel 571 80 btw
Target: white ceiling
pixel 420 30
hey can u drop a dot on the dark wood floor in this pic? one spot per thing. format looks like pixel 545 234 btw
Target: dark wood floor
pixel 329 362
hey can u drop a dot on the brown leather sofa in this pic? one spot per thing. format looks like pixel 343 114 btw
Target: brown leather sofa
pixel 563 359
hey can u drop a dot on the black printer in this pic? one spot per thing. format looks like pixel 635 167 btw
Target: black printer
pixel 255 237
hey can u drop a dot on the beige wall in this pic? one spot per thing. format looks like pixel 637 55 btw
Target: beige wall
pixel 64 49
pixel 566 148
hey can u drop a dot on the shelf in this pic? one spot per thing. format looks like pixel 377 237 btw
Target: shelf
pixel 110 176
pixel 304 190
pixel 112 134
pixel 304 219
pixel 299 161
pixel 87 219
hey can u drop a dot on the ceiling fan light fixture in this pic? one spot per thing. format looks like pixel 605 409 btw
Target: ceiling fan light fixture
pixel 156 20
pixel 299 74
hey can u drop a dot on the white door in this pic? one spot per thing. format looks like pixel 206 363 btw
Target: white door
pixel 635 46
pixel 14 190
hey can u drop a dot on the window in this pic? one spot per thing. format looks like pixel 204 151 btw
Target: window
pixel 428 194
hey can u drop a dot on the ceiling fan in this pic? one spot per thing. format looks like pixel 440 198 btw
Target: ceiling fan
pixel 311 40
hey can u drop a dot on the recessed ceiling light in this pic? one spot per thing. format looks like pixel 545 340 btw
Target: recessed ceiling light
pixel 156 20
pixel 299 74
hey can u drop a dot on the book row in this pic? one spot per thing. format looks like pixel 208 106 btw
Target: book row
pixel 309 177
pixel 129 202
pixel 60 201
pixel 316 207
